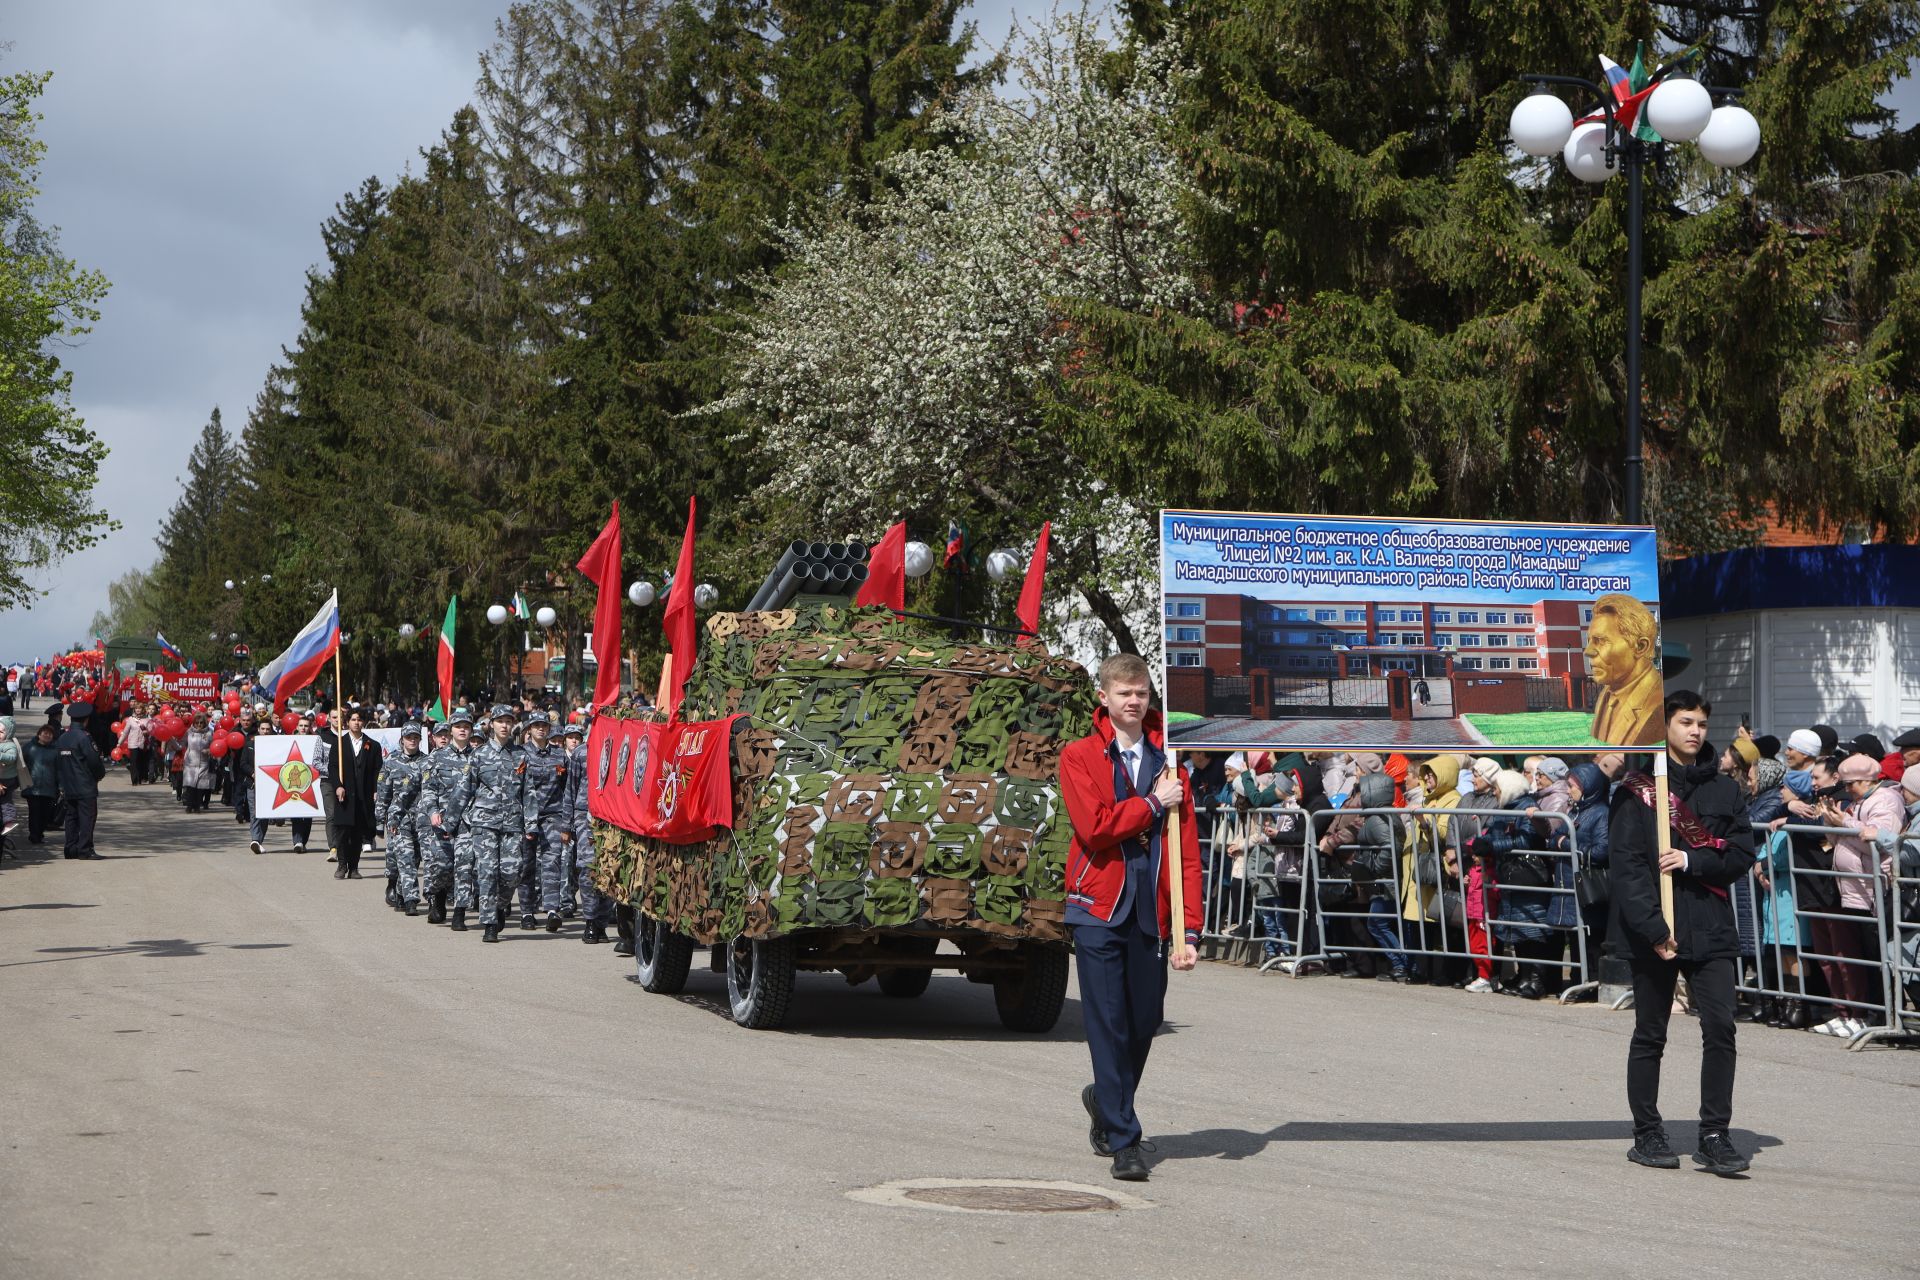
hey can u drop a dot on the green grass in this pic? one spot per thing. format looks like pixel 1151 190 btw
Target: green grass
pixel 1537 729
pixel 1183 717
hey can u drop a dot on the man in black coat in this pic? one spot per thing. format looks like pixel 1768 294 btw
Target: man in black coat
pixel 81 769
pixel 1712 847
pixel 353 775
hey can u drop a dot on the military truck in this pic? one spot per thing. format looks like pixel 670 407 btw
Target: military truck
pixel 894 788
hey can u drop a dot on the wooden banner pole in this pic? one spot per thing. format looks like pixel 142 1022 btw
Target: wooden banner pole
pixel 1178 884
pixel 1663 834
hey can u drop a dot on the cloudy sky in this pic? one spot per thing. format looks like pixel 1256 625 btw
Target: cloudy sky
pixel 193 150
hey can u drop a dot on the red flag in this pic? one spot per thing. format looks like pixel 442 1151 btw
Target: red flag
pixel 601 564
pixel 887 571
pixel 682 635
pixel 1028 610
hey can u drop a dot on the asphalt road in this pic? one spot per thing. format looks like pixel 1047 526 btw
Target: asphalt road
pixel 214 1064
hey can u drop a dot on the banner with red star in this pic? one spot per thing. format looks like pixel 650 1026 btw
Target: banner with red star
pixel 284 782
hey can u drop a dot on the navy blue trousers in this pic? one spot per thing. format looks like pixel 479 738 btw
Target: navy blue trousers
pixel 1123 996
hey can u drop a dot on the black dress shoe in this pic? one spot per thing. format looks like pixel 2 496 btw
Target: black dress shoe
pixel 1096 1132
pixel 491 934
pixel 1129 1165
pixel 592 934
pixel 340 872
pixel 527 921
pixel 622 947
pixel 459 920
pixel 553 922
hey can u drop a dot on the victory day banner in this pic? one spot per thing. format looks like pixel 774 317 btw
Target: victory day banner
pixel 671 781
pixel 164 687
pixel 284 782
pixel 1356 633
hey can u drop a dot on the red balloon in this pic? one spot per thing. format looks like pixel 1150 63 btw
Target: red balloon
pixel 236 740
pixel 118 725
pixel 228 724
pixel 119 753
pixel 289 722
pixel 218 747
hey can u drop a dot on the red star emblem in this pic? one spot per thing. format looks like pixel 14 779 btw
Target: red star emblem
pixel 293 778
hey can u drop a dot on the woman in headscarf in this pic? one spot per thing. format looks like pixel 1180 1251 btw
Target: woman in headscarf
pixel 1428 849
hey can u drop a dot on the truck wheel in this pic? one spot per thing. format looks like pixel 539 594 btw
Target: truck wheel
pixel 1031 1000
pixel 760 981
pixel 661 956
pixel 909 981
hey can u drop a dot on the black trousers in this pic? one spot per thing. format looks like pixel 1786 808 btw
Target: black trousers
pixel 1123 989
pixel 39 816
pixel 81 811
pixel 346 841
pixel 1711 983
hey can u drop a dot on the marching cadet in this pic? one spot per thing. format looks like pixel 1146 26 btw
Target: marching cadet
pixel 448 862
pixel 596 909
pixel 497 818
pixel 547 816
pixel 395 798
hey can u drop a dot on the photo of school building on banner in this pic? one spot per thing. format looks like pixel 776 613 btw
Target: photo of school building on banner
pixel 1351 632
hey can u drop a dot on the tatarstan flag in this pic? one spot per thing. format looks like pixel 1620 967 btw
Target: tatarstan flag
pixel 443 665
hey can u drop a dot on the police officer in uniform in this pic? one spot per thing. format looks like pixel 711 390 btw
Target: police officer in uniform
pixel 499 821
pixel 81 769
pixel 547 781
pixel 395 797
pixel 448 863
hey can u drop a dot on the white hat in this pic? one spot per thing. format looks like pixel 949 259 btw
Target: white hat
pixel 1805 741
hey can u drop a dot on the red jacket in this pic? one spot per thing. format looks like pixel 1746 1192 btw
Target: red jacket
pixel 1096 867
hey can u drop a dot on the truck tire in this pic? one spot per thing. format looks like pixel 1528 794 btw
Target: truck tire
pixel 760 981
pixel 909 981
pixel 661 956
pixel 1031 999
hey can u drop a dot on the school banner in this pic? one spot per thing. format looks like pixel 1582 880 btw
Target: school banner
pixel 162 687
pixel 284 782
pixel 1362 633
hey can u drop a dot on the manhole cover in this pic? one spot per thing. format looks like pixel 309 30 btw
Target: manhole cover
pixel 997 1195
pixel 1013 1199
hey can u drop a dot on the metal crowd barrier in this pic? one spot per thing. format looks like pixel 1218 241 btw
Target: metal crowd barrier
pixel 1895 940
pixel 1254 906
pixel 1285 906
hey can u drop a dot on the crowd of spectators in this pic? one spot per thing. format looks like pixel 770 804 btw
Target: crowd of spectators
pixel 1490 873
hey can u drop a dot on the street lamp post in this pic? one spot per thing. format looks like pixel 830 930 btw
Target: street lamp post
pixel 1678 110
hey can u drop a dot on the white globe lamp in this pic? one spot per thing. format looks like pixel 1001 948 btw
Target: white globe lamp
pixel 705 596
pixel 545 615
pixel 1731 137
pixel 1540 124
pixel 496 614
pixel 1000 564
pixel 1586 153
pixel 641 594
pixel 919 559
pixel 1679 109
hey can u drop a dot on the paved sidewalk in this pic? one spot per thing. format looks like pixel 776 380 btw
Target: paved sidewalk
pixel 215 1064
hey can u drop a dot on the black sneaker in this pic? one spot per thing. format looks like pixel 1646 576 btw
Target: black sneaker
pixel 1129 1165
pixel 1652 1151
pixel 1717 1155
pixel 1096 1132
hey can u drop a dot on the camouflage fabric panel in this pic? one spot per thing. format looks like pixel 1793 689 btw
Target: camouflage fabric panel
pixel 883 777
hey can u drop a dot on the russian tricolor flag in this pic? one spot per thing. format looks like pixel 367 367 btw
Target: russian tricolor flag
pixel 167 648
pixel 295 669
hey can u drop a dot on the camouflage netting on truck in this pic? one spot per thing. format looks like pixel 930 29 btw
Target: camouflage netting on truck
pixel 880 778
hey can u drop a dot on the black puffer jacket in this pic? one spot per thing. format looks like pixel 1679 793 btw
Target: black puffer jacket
pixel 1703 921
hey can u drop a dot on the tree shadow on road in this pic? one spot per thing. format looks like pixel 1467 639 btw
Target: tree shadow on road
pixel 1239 1144
pixel 50 906
pixel 155 948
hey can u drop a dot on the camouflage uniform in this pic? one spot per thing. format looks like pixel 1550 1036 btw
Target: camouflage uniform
pixel 595 908
pixel 394 800
pixel 448 861
pixel 494 797
pixel 548 780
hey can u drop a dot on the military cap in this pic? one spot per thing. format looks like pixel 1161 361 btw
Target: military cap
pixel 537 717
pixel 1908 741
pixel 575 728
pixel 412 729
pixel 440 728
pixel 79 710
pixel 460 716
pixel 501 711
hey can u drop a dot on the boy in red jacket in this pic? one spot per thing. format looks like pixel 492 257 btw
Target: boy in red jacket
pixel 1119 897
